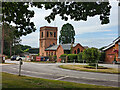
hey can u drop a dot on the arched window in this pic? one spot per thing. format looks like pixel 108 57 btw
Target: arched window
pixel 75 52
pixel 54 34
pixel 78 50
pixel 47 34
pixel 51 34
pixel 42 34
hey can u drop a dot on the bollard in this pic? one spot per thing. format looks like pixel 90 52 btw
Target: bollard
pixel 74 60
pixel 96 66
pixel 83 61
pixel 20 63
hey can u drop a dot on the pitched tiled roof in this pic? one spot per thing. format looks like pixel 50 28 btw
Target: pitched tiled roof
pixel 112 44
pixel 64 46
pixel 54 48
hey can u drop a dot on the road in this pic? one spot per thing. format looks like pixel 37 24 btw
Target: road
pixel 53 72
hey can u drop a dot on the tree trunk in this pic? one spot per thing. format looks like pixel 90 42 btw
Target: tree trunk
pixel 2 43
pixel 10 49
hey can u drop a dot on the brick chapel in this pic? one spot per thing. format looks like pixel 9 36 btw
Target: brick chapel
pixel 49 46
pixel 112 51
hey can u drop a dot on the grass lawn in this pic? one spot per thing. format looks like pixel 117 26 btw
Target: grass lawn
pixel 7 63
pixel 15 81
pixel 82 68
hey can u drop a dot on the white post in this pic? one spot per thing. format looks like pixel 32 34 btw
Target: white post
pixel 83 61
pixel 20 63
pixel 96 66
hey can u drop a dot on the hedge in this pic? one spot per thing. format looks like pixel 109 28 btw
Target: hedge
pixel 63 57
pixel 72 57
pixel 79 57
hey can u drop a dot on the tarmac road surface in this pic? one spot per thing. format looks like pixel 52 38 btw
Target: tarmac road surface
pixel 53 72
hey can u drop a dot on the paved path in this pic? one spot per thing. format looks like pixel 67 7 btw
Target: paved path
pixel 52 71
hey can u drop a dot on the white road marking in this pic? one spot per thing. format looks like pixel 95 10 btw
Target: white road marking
pixel 34 72
pixel 61 78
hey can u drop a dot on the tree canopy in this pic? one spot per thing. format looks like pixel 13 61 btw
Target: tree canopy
pixel 19 14
pixel 91 55
pixel 67 34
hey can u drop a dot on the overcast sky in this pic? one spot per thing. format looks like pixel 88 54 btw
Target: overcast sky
pixel 88 33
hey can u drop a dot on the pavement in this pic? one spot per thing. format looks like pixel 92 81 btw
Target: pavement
pixel 53 72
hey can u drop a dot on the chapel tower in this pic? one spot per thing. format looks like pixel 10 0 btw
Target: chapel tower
pixel 48 37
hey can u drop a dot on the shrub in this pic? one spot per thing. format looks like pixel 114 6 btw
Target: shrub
pixel 102 56
pixel 79 57
pixel 72 57
pixel 91 55
pixel 54 57
pixel 63 57
pixel 50 58
pixel 7 57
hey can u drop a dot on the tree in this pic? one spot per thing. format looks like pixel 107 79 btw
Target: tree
pixel 67 34
pixel 19 14
pixel 102 56
pixel 91 55
pixel 10 39
pixel 79 10
pixel 18 49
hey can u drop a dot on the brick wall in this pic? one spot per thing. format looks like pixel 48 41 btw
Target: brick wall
pixel 76 47
pixel 109 55
pixel 59 51
pixel 117 47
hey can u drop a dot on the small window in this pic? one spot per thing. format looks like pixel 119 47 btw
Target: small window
pixel 42 34
pixel 47 34
pixel 54 34
pixel 51 34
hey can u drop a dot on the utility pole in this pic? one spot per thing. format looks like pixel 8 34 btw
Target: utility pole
pixel 2 42
pixel 1 45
